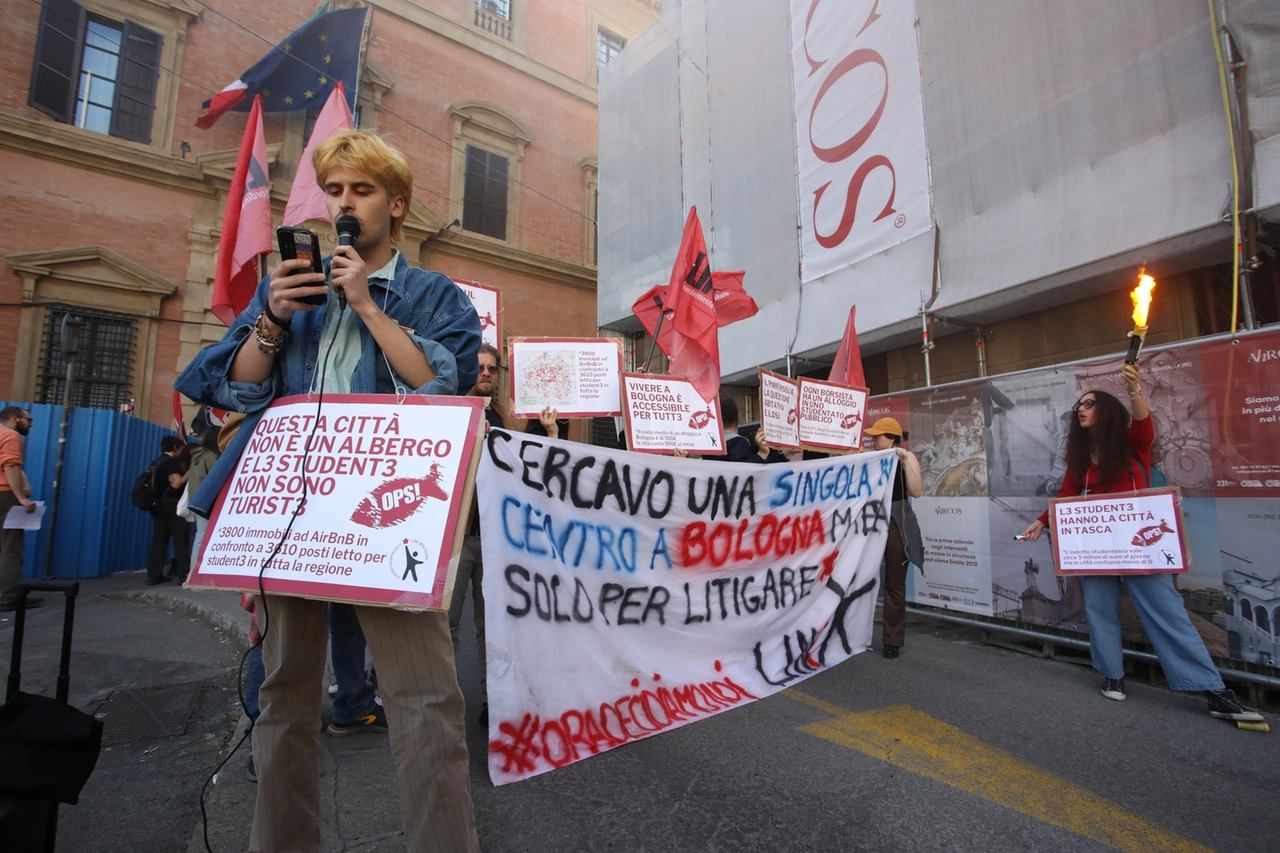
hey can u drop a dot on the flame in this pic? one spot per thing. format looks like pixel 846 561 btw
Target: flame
pixel 1141 297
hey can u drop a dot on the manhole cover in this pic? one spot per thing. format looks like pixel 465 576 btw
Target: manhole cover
pixel 148 712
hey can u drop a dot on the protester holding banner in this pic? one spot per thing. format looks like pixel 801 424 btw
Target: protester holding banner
pixel 1108 451
pixel 385 329
pixel 887 433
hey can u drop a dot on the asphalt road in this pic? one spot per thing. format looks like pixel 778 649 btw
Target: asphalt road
pixel 955 746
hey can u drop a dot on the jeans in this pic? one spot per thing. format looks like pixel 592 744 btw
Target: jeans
pixel 198 528
pixel 1186 663
pixel 355 696
pixel 254 674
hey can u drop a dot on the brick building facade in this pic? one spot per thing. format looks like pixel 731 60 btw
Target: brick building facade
pixel 114 200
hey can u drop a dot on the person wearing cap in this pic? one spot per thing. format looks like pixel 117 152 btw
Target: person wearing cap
pixel 887 433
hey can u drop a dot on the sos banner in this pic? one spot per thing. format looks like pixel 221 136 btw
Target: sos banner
pixel 383 484
pixel 630 595
pixel 780 410
pixel 859 119
pixel 667 412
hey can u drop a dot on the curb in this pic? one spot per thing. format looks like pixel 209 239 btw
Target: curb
pixel 219 618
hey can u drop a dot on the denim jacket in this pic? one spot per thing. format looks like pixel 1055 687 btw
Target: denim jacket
pixel 436 313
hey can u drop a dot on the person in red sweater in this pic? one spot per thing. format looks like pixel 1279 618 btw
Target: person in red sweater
pixel 1108 452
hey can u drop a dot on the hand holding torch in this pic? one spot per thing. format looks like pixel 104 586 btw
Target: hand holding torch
pixel 1141 297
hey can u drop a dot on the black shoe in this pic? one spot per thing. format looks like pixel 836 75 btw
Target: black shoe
pixel 159 580
pixel 10 604
pixel 1224 705
pixel 251 772
pixel 1113 688
pixel 891 651
pixel 483 719
pixel 375 721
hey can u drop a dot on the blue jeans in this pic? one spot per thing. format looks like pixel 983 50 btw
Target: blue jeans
pixel 355 696
pixel 1186 663
pixel 254 674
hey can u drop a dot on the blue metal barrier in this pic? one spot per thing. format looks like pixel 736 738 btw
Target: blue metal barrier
pixel 99 530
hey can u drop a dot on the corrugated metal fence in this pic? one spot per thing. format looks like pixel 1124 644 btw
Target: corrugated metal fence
pixel 99 531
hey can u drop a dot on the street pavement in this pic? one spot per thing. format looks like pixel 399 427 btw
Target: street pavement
pixel 955 746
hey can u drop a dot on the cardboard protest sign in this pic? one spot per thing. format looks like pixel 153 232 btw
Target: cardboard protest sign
pixel 1132 533
pixel 488 305
pixel 386 489
pixel 630 595
pixel 780 410
pixel 666 412
pixel 579 377
pixel 832 416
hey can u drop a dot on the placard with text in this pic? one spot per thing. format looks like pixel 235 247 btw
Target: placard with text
pixel 383 483
pixel 1128 533
pixel 488 305
pixel 779 410
pixel 578 377
pixel 831 415
pixel 666 412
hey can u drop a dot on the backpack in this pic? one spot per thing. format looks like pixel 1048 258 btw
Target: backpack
pixel 145 496
pixel 1156 478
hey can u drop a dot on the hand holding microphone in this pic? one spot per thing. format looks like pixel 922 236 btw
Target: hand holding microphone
pixel 347 268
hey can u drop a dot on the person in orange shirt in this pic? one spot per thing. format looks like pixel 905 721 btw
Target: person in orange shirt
pixel 15 490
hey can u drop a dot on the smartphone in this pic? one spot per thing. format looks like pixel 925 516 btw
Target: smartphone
pixel 302 243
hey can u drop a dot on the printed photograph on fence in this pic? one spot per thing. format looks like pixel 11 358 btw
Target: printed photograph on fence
pixel 956 573
pixel 894 406
pixel 1175 392
pixel 579 377
pixel 1025 419
pixel 1115 534
pixel 1249 530
pixel 831 415
pixel 488 305
pixel 632 595
pixel 780 410
pixel 1024 586
pixel 664 413
pixel 1244 415
pixel 384 483
pixel 948 435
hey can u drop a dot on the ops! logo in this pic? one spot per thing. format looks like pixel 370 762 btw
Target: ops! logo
pixel 405 560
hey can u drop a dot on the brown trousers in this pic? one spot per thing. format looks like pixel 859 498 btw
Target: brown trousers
pixel 11 548
pixel 895 589
pixel 424 712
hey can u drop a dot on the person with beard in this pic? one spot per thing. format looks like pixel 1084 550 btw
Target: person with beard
pixel 15 490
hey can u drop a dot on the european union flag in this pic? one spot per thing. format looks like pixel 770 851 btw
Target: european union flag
pixel 300 72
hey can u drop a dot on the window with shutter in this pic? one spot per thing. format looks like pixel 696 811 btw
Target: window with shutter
pixel 484 205
pixel 57 59
pixel 139 69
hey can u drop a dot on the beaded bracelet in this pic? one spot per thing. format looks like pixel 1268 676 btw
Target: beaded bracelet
pixel 267 343
pixel 1135 396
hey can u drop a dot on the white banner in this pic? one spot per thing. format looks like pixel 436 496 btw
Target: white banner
pixel 579 377
pixel 957 572
pixel 666 412
pixel 630 594
pixel 384 486
pixel 832 416
pixel 488 304
pixel 860 141
pixel 779 410
pixel 1135 533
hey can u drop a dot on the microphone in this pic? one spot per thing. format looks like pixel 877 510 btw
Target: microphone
pixel 348 228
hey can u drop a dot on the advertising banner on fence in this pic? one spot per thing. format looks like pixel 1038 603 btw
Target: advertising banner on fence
pixel 832 416
pixel 667 412
pixel 579 377
pixel 385 484
pixel 488 305
pixel 1131 533
pixel 631 594
pixel 860 141
pixel 956 572
pixel 780 410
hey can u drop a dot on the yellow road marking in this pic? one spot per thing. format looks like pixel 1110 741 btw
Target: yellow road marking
pixel 915 741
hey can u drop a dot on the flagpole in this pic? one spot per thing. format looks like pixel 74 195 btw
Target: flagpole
pixel 656 331
pixel 364 53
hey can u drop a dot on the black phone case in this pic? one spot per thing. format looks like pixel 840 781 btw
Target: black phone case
pixel 302 243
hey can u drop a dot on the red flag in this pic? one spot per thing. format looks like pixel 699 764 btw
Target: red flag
pixel 847 367
pixel 695 340
pixel 306 199
pixel 732 304
pixel 179 422
pixel 246 225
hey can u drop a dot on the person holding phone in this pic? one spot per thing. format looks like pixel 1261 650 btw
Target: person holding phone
pixel 399 330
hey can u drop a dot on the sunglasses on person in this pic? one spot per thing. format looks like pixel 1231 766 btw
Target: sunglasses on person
pixel 489 368
pixel 1083 404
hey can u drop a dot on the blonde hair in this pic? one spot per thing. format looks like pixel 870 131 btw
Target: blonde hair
pixel 364 152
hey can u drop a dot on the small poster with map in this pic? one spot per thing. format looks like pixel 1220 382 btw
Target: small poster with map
pixel 578 377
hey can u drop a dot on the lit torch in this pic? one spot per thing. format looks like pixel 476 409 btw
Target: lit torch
pixel 1141 297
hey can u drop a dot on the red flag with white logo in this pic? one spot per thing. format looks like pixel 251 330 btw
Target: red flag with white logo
pixel 732 304
pixel 246 225
pixel 695 344
pixel 306 199
pixel 847 367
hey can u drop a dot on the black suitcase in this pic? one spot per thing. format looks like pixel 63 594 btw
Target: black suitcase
pixel 48 748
